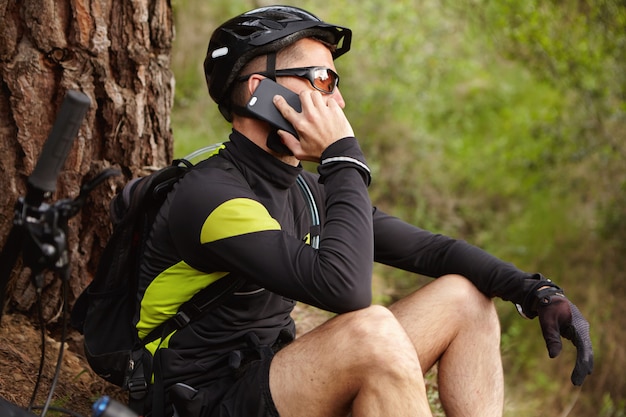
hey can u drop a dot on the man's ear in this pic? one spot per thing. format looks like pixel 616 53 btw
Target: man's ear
pixel 253 83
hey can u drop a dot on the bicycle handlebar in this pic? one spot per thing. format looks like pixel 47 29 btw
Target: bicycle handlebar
pixel 57 147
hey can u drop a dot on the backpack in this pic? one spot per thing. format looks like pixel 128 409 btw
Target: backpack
pixel 104 312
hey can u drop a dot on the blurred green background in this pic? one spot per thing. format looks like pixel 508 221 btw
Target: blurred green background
pixel 499 122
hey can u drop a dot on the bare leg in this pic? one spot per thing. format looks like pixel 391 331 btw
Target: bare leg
pixel 450 321
pixel 360 362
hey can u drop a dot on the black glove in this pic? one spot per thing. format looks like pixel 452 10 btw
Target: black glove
pixel 559 317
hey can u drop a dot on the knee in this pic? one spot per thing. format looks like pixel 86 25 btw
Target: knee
pixel 471 304
pixel 382 344
pixel 373 324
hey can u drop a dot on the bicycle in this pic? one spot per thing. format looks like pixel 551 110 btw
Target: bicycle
pixel 39 235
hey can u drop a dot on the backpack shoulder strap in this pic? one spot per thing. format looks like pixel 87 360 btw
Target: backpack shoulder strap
pixel 201 303
pixel 209 297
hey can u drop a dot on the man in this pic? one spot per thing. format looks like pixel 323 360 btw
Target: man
pixel 242 359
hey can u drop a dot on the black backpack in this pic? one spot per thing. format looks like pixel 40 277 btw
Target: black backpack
pixel 105 310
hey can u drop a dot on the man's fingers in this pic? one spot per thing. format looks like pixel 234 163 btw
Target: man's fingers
pixel 584 360
pixel 281 104
pixel 584 351
pixel 549 319
pixel 288 139
pixel 553 342
pixel 320 124
pixel 559 317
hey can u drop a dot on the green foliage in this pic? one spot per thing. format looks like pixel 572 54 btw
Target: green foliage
pixel 502 123
pixel 195 118
pixel 579 48
pixel 611 409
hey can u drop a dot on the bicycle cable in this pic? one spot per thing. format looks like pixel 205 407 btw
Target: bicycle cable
pixel 57 372
pixel 43 351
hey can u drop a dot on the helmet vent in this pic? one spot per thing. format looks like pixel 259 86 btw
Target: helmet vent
pixel 271 24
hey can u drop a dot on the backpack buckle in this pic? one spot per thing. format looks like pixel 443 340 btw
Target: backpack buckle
pixel 137 393
pixel 137 387
pixel 181 319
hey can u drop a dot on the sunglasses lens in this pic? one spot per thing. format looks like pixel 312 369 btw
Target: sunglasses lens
pixel 321 78
pixel 325 79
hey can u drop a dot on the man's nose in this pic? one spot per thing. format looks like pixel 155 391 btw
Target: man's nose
pixel 338 98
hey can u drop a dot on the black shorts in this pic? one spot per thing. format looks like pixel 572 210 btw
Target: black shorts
pixel 241 387
pixel 250 395
pixel 244 392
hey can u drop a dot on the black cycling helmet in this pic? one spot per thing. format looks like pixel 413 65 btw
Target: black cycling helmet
pixel 259 32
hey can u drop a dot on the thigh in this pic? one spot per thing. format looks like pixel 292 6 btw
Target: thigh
pixel 319 374
pixel 434 315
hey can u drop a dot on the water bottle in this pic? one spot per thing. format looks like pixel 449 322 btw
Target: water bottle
pixel 107 407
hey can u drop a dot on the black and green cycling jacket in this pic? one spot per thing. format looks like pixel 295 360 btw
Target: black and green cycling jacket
pixel 215 225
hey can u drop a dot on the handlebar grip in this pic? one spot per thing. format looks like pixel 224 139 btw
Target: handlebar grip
pixel 57 147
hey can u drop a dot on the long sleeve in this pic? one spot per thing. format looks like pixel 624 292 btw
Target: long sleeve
pixel 410 248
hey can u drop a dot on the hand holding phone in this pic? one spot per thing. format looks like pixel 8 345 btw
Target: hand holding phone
pixel 322 123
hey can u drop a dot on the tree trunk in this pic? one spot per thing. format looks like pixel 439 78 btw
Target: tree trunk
pixel 118 54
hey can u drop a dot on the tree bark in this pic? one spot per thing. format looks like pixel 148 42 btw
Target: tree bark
pixel 118 54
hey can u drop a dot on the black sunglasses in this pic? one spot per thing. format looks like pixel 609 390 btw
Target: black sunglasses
pixel 321 78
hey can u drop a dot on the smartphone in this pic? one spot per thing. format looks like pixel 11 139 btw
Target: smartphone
pixel 262 106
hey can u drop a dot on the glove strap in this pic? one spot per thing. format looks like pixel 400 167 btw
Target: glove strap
pixel 539 292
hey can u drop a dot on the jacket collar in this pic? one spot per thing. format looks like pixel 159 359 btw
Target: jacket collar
pixel 247 156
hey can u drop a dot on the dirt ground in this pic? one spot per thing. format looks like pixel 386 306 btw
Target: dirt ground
pixel 78 387
pixel 20 356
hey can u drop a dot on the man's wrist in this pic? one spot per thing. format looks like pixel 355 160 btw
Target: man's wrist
pixel 539 291
pixel 344 152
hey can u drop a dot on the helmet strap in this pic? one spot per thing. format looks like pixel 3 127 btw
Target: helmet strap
pixel 271 66
pixel 273 140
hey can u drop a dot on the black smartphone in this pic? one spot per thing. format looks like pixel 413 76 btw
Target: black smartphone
pixel 262 106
